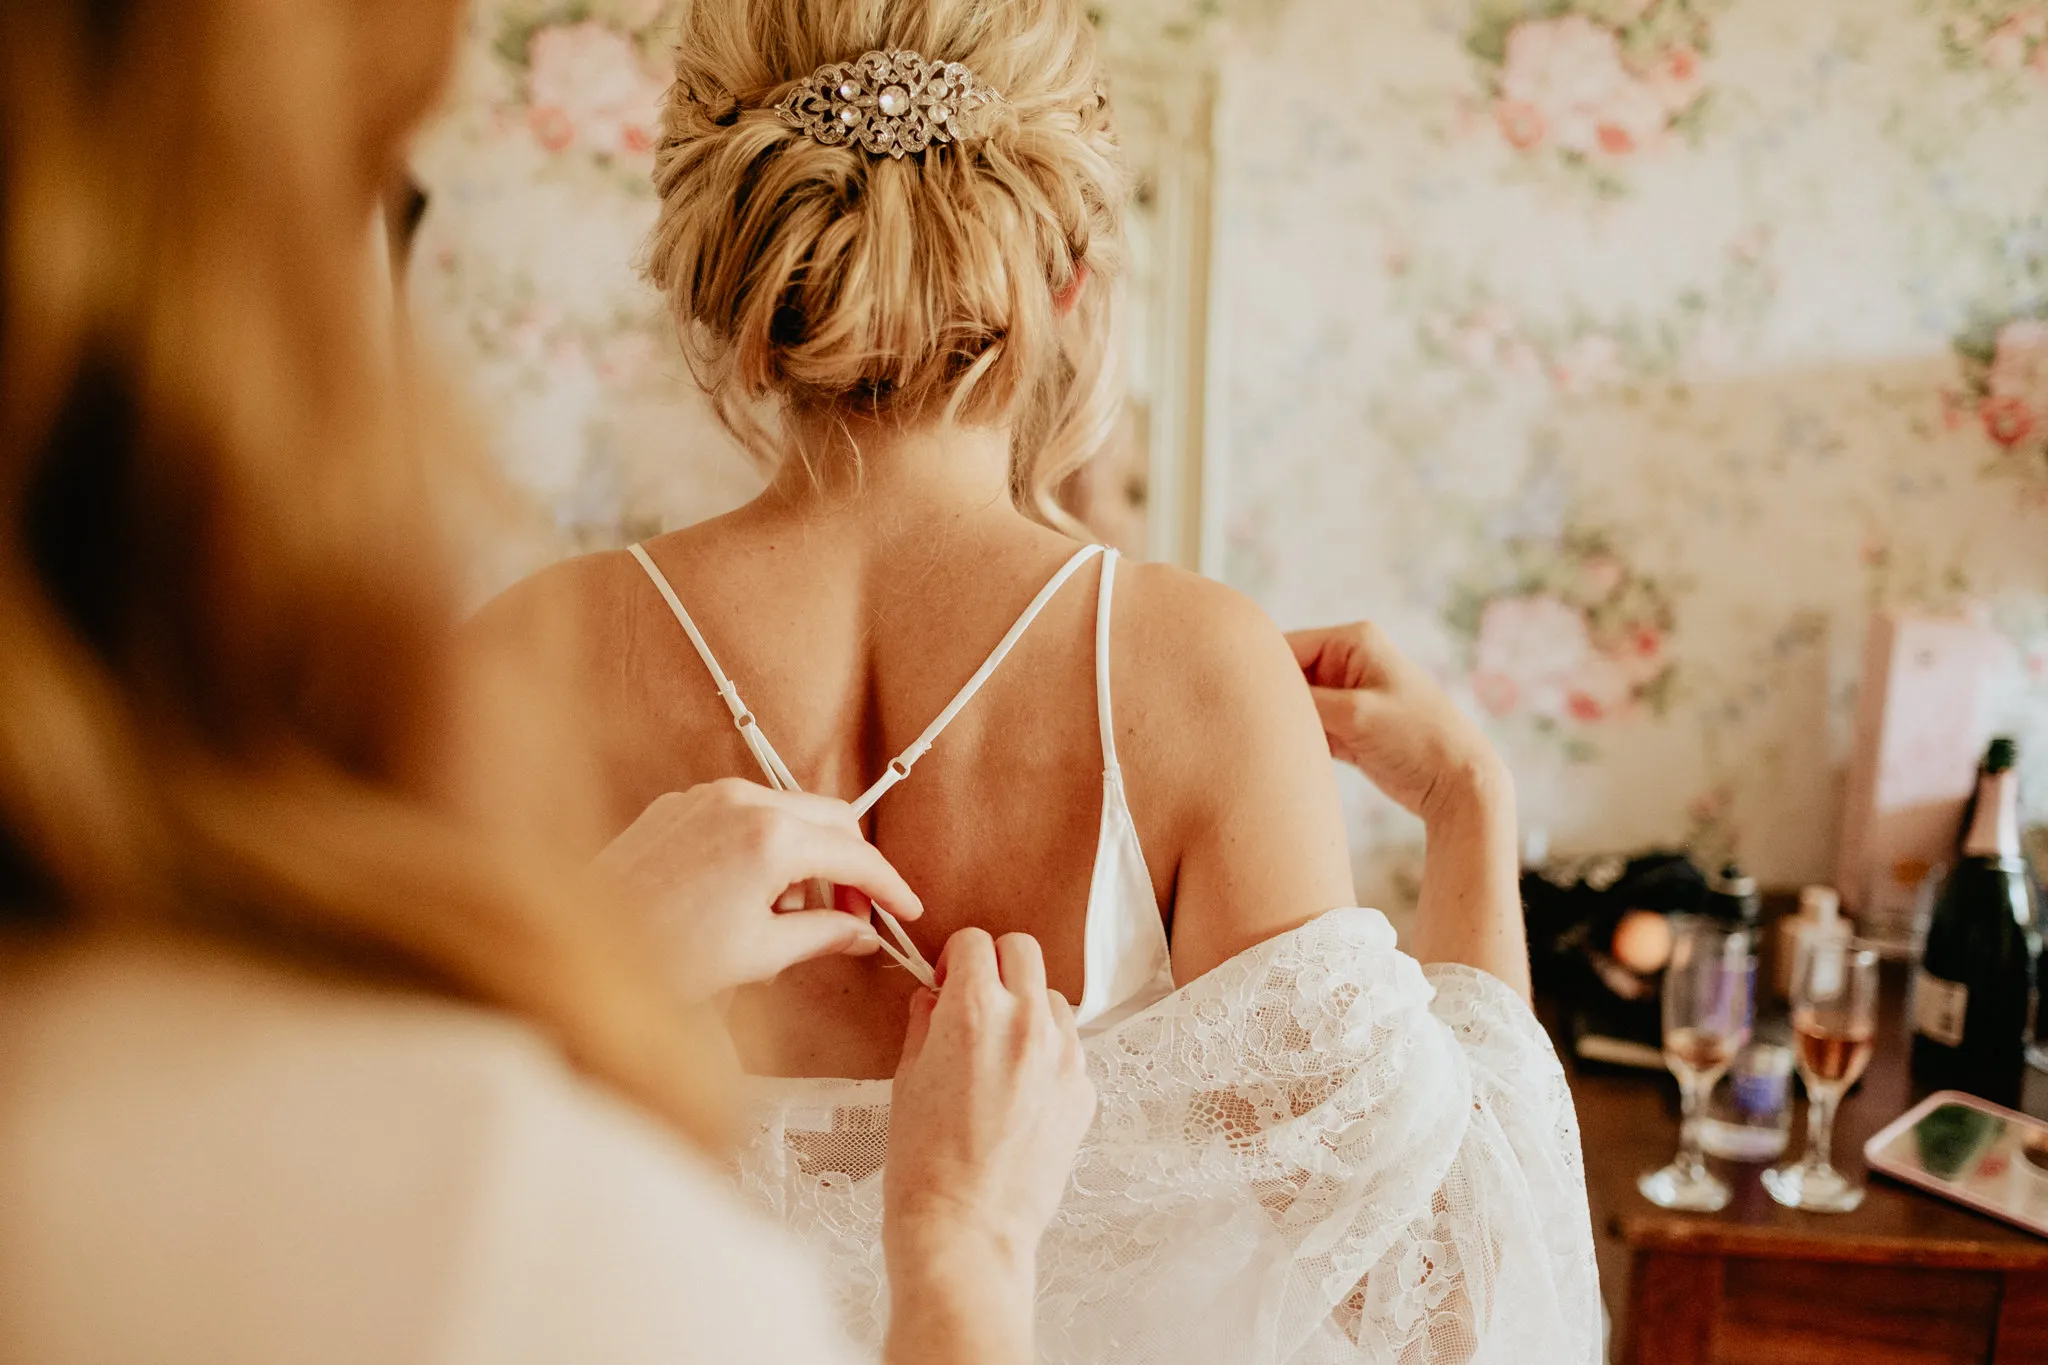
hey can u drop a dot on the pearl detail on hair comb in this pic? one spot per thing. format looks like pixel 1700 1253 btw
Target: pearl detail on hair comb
pixel 890 103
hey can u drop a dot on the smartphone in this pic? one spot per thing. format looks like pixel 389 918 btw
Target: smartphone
pixel 1980 1154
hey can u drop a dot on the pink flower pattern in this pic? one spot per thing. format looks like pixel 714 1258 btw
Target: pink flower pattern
pixel 1531 655
pixel 1569 71
pixel 2002 38
pixel 1599 86
pixel 1581 638
pixel 2008 395
pixel 589 88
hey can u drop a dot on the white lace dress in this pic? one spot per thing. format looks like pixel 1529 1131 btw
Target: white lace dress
pixel 1317 1152
pixel 1320 1151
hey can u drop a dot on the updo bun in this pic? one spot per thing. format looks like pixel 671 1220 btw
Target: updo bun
pixel 827 280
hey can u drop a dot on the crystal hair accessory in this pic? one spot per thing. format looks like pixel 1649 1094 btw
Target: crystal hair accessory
pixel 889 102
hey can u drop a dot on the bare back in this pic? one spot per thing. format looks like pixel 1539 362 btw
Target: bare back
pixel 846 644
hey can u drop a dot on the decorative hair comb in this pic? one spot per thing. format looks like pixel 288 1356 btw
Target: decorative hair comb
pixel 888 102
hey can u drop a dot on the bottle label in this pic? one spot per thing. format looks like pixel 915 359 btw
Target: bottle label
pixel 1762 1094
pixel 1938 1008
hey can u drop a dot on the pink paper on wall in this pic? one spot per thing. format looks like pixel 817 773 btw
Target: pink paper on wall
pixel 1919 733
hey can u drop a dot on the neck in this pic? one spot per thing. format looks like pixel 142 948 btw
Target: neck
pixel 1995 832
pixel 890 476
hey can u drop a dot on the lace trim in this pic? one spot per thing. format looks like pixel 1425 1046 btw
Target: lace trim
pixel 1318 1152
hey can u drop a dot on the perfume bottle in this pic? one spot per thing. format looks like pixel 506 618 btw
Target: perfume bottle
pixel 1819 913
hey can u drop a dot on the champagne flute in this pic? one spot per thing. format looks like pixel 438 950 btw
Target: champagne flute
pixel 1708 1005
pixel 1834 1019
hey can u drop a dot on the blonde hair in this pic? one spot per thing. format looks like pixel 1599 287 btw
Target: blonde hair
pixel 231 698
pixel 971 282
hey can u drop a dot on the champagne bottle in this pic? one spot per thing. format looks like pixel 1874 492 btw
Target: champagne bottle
pixel 1973 993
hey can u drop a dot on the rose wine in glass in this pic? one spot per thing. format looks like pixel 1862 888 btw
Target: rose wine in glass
pixel 1834 1019
pixel 1830 1054
pixel 1708 999
pixel 1698 1052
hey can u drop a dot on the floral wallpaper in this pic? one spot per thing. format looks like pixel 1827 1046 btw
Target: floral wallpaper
pixel 525 280
pixel 1620 356
pixel 1597 83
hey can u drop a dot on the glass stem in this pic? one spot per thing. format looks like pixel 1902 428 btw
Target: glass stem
pixel 1692 1097
pixel 1820 1126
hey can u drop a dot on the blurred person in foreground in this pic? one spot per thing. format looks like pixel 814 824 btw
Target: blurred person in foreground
pixel 309 1048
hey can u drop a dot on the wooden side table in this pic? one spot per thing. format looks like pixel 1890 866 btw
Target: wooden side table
pixel 1907 1279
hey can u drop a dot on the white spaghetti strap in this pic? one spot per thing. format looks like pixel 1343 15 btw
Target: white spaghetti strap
pixel 1102 604
pixel 900 766
pixel 777 771
pixel 779 777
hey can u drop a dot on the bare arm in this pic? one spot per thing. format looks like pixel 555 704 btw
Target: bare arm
pixel 1471 905
pixel 958 1304
pixel 1259 828
pixel 560 629
pixel 1381 712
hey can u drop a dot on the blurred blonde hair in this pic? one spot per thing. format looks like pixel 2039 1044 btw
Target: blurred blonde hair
pixel 826 282
pixel 230 695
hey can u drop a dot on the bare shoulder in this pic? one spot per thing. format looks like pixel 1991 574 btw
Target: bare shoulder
pixel 1218 728
pixel 574 589
pixel 1205 659
pixel 1205 683
pixel 1207 644
pixel 586 613
pixel 578 629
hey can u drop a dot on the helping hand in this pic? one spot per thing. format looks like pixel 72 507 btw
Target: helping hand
pixel 1383 713
pixel 712 863
pixel 990 1103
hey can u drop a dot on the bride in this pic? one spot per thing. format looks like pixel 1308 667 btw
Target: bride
pixel 889 232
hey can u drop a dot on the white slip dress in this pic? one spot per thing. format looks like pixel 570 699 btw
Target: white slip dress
pixel 1318 1152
